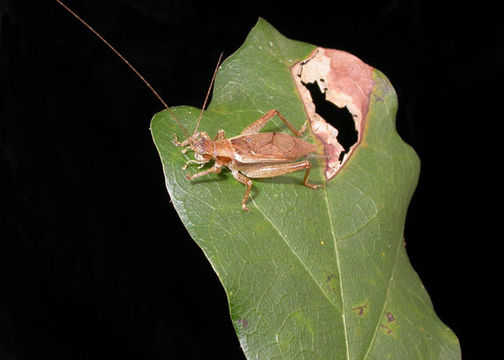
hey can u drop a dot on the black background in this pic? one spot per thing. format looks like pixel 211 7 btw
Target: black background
pixel 94 261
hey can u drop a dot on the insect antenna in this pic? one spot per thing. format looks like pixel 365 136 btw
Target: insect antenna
pixel 127 63
pixel 207 94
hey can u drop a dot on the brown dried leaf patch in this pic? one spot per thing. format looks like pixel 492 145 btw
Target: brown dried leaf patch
pixel 347 82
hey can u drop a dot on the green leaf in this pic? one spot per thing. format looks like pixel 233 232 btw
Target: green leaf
pixel 309 274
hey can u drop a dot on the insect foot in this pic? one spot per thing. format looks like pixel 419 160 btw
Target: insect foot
pixel 175 140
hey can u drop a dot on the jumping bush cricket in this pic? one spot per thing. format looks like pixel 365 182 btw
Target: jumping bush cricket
pixel 249 155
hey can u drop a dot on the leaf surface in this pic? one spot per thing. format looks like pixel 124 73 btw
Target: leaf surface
pixel 309 274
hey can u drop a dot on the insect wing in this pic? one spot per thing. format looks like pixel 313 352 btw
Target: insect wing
pixel 269 147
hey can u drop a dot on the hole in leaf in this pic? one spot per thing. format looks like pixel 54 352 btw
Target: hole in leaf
pixel 340 118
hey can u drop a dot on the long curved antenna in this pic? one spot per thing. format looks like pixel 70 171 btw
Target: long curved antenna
pixel 207 94
pixel 127 63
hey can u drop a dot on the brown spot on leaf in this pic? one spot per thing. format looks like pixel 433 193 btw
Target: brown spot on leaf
pixel 360 310
pixel 345 81
pixel 390 317
pixel 390 325
pixel 332 282
pixel 386 329
pixel 243 323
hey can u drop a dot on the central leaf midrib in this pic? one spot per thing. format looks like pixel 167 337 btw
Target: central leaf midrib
pixel 331 228
pixel 336 254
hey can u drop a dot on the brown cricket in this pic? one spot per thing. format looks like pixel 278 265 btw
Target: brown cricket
pixel 251 154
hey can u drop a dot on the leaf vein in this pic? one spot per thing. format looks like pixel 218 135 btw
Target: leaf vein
pixel 336 253
pixel 385 302
pixel 295 254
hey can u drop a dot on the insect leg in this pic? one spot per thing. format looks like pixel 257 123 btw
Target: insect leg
pixel 188 162
pixel 257 125
pixel 273 170
pixel 214 169
pixel 176 141
pixel 305 180
pixel 246 181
